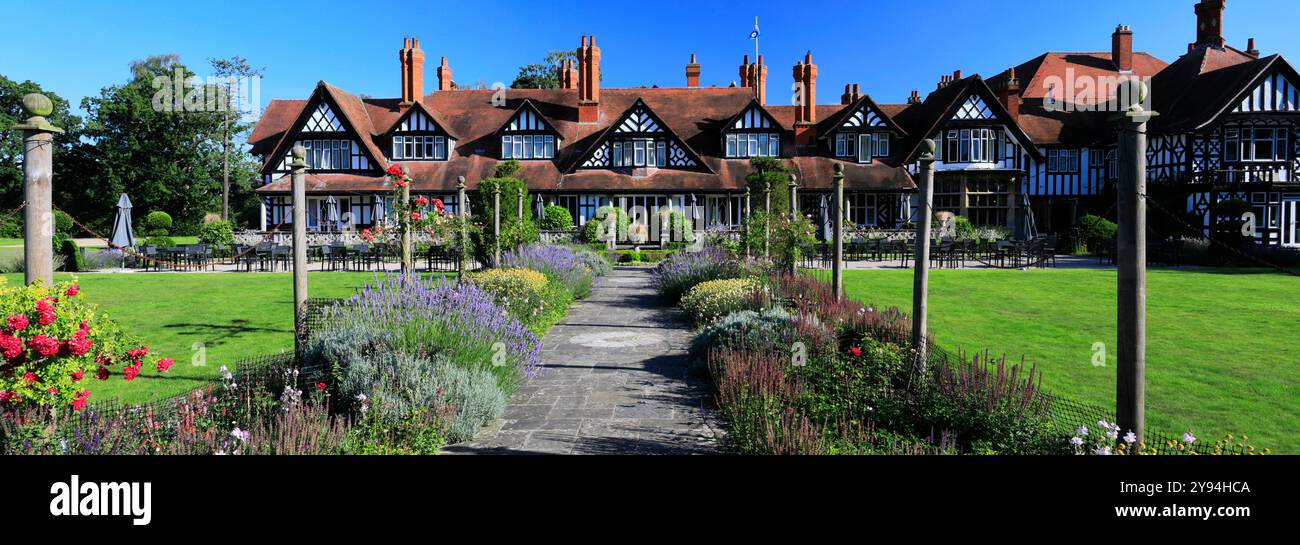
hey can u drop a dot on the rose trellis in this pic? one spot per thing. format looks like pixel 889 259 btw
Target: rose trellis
pixel 410 216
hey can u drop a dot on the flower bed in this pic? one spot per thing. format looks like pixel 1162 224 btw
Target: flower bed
pixel 680 272
pixel 559 263
pixel 712 300
pixel 527 295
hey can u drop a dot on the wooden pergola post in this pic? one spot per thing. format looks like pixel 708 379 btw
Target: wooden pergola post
pixel 496 225
pixel 408 261
pixel 298 168
pixel 749 211
pixel 463 211
pixel 921 276
pixel 1131 254
pixel 793 184
pixel 837 258
pixel 38 181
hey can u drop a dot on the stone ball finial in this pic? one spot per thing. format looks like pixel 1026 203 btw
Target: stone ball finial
pixel 299 152
pixel 460 181
pixel 1132 93
pixel 839 168
pixel 927 146
pixel 37 105
pixel 406 171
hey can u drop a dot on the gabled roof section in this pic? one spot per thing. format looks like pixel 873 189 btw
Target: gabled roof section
pixel 528 118
pixel 942 105
pixel 863 112
pixel 753 116
pixel 638 120
pixel 348 109
pixel 1192 101
pixel 418 118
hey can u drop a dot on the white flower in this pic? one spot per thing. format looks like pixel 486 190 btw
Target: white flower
pixel 1189 438
pixel 1103 451
pixel 1130 438
pixel 1076 441
pixel 239 434
pixel 1082 431
pixel 1112 434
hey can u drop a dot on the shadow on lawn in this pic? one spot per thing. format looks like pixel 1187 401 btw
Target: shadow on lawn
pixel 216 334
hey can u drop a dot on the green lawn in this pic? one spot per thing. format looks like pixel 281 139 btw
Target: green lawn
pixel 1223 347
pixel 233 315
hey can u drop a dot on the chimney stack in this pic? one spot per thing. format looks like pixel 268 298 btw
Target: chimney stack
pixel 412 60
pixel 1121 48
pixel 915 98
pixel 805 113
pixel 956 75
pixel 758 80
pixel 744 72
pixel 1209 23
pixel 444 76
pixel 1250 48
pixel 568 75
pixel 589 81
pixel 847 97
pixel 1010 95
pixel 693 73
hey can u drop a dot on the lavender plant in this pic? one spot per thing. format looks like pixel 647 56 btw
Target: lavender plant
pixel 558 263
pixel 682 271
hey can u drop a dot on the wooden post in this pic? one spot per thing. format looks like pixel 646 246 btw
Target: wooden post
pixel 463 212
pixel 793 184
pixel 767 217
pixel 299 180
pixel 38 176
pixel 1131 254
pixel 921 274
pixel 496 225
pixel 408 261
pixel 748 212
pixel 837 263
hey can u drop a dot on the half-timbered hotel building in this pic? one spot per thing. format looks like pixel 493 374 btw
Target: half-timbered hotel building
pixel 1025 149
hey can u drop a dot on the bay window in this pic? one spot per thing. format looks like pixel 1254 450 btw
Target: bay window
pixel 1256 144
pixel 423 147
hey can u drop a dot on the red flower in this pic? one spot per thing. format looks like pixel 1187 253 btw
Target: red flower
pixel 79 345
pixel 415 216
pixel 422 201
pixel 367 235
pixel 394 170
pixel 437 203
pixel 855 351
pixel 102 373
pixel 320 386
pixel 4 395
pixel 72 290
pixel 131 372
pixel 46 347
pixel 165 364
pixel 137 353
pixel 29 377
pixel 401 183
pixel 53 390
pixel 18 322
pixel 45 312
pixel 78 375
pixel 79 402
pixel 11 346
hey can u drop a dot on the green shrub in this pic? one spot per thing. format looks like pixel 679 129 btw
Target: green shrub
pixel 418 434
pixel 156 224
pixel 217 232
pixel 963 229
pixel 515 230
pixel 72 258
pixel 769 330
pixel 556 218
pixel 160 242
pixel 597 228
pixel 474 395
pixel 11 227
pixel 1096 233
pixel 599 265
pixel 527 295
pixel 714 299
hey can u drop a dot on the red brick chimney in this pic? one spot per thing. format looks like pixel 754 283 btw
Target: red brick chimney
pixel 1209 22
pixel 444 76
pixel 915 98
pixel 588 81
pixel 744 72
pixel 693 73
pixel 758 80
pixel 568 75
pixel 1010 95
pixel 805 113
pixel 851 93
pixel 1250 48
pixel 412 59
pixel 1121 48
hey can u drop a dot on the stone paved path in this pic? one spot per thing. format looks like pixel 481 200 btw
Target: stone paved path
pixel 614 381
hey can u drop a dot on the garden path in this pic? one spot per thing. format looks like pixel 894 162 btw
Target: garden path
pixel 614 380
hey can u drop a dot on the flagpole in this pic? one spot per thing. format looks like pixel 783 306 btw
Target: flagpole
pixel 757 33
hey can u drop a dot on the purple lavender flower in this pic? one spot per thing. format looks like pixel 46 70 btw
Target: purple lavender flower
pixel 1189 438
pixel 558 263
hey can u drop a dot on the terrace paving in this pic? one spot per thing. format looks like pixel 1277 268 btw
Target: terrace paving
pixel 614 380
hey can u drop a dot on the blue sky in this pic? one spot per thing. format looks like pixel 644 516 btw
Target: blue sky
pixel 889 46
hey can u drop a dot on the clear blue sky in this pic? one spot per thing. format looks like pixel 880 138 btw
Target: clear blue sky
pixel 889 46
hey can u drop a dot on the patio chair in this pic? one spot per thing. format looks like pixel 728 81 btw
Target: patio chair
pixel 361 255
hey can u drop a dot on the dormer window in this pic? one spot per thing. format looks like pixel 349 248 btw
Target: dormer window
pixel 639 139
pixel 640 152
pixel 752 133
pixel 528 136
pixel 418 138
pixel 862 147
pixel 977 146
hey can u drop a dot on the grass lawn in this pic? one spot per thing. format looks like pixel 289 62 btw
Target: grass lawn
pixel 233 315
pixel 1223 347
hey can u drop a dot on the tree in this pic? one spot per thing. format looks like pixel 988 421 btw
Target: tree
pixel 159 142
pixel 66 145
pixel 784 237
pixel 543 75
pixel 237 72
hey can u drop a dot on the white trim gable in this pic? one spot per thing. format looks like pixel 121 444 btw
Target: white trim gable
pixel 974 108
pixel 323 120
pixel 863 117
pixel 753 118
pixel 417 121
pixel 528 120
pixel 1276 93
pixel 639 121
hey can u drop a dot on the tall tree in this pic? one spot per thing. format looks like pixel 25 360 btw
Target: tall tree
pixel 543 75
pixel 157 138
pixel 237 74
